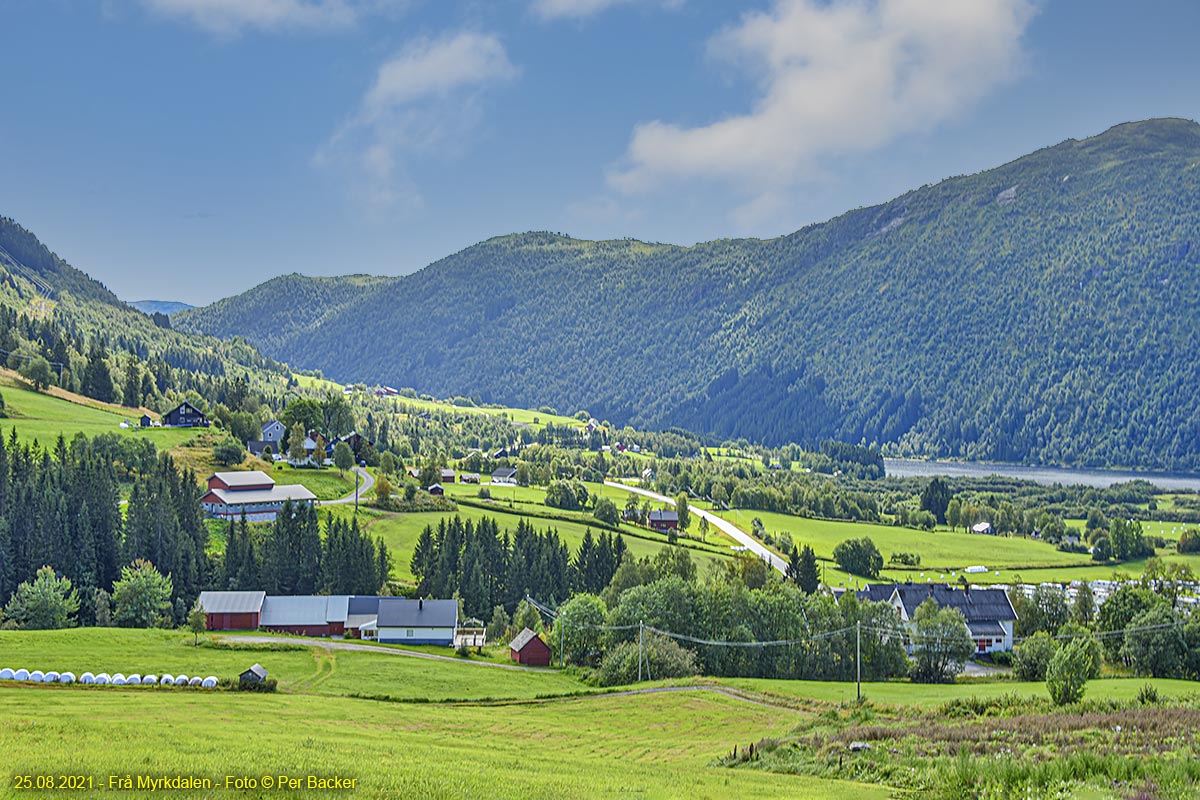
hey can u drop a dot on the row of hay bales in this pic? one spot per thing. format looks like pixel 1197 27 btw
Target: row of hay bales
pixel 104 679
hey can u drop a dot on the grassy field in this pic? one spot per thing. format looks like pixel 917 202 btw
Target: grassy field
pixel 644 745
pixel 45 415
pixel 326 484
pixel 545 741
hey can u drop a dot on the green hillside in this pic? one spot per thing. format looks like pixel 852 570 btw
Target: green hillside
pixel 1041 312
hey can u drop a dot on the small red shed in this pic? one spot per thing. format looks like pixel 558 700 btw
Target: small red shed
pixel 529 649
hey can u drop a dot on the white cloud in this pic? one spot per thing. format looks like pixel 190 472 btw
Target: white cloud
pixel 834 79
pixel 425 101
pixel 577 9
pixel 230 17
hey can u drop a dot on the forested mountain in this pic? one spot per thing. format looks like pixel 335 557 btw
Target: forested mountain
pixel 159 306
pixel 1043 311
pixel 55 311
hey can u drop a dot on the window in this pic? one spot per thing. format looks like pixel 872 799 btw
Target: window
pixel 410 631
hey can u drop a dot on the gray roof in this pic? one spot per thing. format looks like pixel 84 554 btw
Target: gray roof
pixel 664 516
pixel 276 494
pixel 504 472
pixel 363 604
pixel 294 610
pixel 235 480
pixel 358 620
pixel 258 670
pixel 270 424
pixel 988 627
pixel 976 605
pixel 876 592
pixel 398 612
pixel 523 638
pixel 232 602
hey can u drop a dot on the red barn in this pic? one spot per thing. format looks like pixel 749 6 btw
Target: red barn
pixel 232 611
pixel 529 649
pixel 664 520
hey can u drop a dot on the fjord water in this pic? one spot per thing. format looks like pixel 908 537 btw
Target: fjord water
pixel 1047 476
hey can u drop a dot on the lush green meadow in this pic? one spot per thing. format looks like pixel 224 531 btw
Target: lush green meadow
pixel 538 733
pixel 326 484
pixel 46 415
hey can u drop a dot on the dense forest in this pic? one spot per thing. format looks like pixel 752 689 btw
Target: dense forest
pixel 1038 312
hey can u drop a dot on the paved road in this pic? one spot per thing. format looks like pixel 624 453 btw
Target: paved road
pixel 363 489
pixel 342 644
pixel 745 539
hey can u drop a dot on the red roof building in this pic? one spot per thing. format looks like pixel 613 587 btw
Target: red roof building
pixel 529 649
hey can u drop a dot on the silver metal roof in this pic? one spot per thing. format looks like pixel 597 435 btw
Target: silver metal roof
pixel 338 608
pixel 252 478
pixel 294 610
pixel 276 494
pixel 232 602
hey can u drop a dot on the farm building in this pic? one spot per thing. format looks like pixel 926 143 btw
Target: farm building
pixel 470 477
pixel 988 612
pixel 663 520
pixel 416 621
pixel 232 611
pixel 256 674
pixel 436 490
pixel 145 421
pixel 254 493
pixel 506 476
pixel 529 649
pixel 447 476
pixel 361 611
pixel 305 615
pixel 184 415
pixel 983 528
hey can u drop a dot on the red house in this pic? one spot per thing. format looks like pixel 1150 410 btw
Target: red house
pixel 529 649
pixel 664 520
pixel 232 611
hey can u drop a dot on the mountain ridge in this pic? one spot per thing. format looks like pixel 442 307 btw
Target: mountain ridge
pixel 987 316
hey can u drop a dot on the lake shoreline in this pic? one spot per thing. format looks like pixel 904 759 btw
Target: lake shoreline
pixel 1046 476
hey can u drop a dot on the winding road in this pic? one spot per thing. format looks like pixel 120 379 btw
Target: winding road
pixel 367 482
pixel 725 526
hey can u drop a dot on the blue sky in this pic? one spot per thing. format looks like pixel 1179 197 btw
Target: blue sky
pixel 191 149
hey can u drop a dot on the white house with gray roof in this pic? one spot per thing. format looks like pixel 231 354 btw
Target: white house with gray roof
pixel 403 621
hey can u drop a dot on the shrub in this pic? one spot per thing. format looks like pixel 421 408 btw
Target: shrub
pixel 664 658
pixel 485 493
pixel 1148 695
pixel 1002 658
pixel 1067 673
pixel 1189 542
pixel 1032 657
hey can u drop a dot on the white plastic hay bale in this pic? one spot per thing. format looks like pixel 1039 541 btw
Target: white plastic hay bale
pixel 66 677
pixel 133 680
pixel 87 678
pixel 50 677
pixel 181 680
pixel 209 683
pixel 6 674
pixel 149 680
pixel 36 676
pixel 102 679
pixel 195 681
pixel 118 679
pixel 167 680
pixel 21 675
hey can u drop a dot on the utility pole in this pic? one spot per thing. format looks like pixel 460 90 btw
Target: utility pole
pixel 858 656
pixel 562 623
pixel 639 651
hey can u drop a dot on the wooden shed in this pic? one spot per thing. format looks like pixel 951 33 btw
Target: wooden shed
pixel 529 649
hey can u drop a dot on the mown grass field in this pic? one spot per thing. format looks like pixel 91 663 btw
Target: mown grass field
pixel 46 415
pixel 543 742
